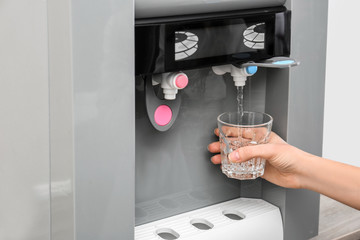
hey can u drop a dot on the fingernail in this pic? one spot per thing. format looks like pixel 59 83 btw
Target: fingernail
pixel 234 156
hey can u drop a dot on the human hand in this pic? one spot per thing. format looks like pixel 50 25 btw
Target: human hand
pixel 283 166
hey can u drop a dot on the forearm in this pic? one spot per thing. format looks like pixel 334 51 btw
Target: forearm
pixel 333 179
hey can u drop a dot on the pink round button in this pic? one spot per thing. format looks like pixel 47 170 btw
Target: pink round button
pixel 162 115
pixel 181 81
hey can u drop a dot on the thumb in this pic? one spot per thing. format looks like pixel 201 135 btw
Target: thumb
pixel 243 154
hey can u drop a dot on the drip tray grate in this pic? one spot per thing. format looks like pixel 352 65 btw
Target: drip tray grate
pixel 245 217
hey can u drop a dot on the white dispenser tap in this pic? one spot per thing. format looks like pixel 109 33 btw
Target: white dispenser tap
pixel 239 74
pixel 171 83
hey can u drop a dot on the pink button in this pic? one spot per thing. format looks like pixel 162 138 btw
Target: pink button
pixel 181 81
pixel 163 115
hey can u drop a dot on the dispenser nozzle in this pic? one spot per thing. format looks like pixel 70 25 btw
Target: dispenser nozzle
pixel 171 83
pixel 239 74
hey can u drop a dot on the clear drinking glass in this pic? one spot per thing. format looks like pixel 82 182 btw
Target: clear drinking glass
pixel 238 130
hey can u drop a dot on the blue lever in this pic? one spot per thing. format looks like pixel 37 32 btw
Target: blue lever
pixel 251 69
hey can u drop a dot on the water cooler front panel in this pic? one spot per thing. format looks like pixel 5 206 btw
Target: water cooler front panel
pixel 174 173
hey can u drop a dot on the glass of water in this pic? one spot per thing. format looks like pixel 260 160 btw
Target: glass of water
pixel 238 130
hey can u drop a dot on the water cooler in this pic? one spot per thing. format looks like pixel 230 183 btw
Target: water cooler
pixel 144 100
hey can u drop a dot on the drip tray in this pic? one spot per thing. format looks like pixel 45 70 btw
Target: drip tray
pixel 241 218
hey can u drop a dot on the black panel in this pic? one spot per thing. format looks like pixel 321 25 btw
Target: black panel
pixel 170 44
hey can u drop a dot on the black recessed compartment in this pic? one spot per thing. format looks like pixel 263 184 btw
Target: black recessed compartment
pixel 196 41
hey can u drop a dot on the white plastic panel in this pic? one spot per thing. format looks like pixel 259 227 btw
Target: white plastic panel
pixel 260 220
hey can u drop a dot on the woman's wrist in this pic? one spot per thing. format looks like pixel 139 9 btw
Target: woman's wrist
pixel 308 168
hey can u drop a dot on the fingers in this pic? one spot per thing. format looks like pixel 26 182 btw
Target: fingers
pixel 251 133
pixel 243 154
pixel 257 134
pixel 236 132
pixel 214 147
pixel 216 159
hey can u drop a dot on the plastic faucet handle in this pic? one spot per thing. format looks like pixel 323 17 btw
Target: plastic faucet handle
pixel 171 83
pixel 275 62
pixel 251 70
pixel 181 80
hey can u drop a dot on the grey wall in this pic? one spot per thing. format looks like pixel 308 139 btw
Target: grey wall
pixel 342 84
pixel 24 121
